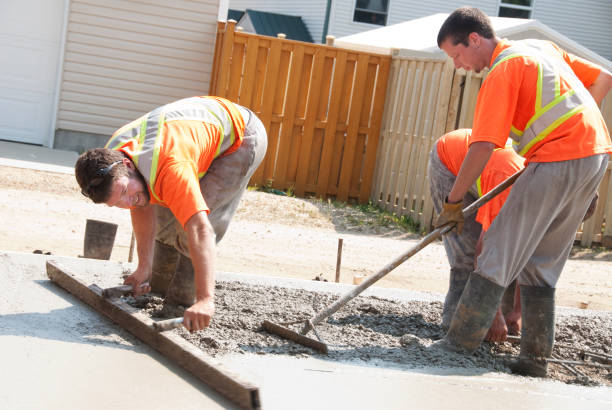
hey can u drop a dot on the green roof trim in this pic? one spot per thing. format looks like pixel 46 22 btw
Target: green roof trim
pixel 270 24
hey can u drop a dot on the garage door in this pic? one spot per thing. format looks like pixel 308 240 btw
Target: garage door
pixel 30 39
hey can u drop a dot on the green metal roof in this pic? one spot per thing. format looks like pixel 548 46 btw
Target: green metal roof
pixel 270 24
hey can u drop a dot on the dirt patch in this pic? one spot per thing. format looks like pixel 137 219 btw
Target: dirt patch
pixel 373 330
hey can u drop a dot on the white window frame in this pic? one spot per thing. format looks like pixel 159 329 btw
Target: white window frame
pixel 370 24
pixel 502 3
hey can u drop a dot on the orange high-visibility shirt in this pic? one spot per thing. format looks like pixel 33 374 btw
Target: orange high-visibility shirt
pixel 507 98
pixel 188 149
pixel 452 149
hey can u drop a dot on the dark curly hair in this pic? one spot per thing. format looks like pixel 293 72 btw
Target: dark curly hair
pixel 463 21
pixel 95 171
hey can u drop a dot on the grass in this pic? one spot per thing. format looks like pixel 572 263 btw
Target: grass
pixel 372 216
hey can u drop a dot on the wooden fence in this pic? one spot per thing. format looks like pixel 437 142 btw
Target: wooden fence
pixel 322 107
pixel 425 99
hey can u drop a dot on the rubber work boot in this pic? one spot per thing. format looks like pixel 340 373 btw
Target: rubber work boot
pixel 473 316
pixel 164 266
pixel 456 284
pixel 181 290
pixel 538 334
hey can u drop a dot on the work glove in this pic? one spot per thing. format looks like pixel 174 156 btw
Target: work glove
pixel 591 210
pixel 451 214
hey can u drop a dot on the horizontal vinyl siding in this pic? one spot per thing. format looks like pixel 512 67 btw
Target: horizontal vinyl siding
pixel 342 23
pixel 312 12
pixel 125 57
pixel 588 22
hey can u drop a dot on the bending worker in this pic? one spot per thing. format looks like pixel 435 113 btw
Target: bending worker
pixel 463 245
pixel 546 100
pixel 181 170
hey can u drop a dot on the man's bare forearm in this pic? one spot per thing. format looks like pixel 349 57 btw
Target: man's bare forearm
pixel 202 249
pixel 144 225
pixel 477 157
pixel 602 85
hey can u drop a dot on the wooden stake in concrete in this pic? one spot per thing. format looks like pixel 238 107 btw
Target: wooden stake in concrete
pixel 171 345
pixel 338 260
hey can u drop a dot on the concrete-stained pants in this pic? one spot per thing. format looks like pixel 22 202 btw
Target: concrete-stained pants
pixel 532 236
pixel 460 250
pixel 222 186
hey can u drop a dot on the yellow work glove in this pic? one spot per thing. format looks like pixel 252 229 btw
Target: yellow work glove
pixel 451 214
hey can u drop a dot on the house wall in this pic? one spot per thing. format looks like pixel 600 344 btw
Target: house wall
pixel 342 24
pixel 587 22
pixel 312 12
pixel 123 58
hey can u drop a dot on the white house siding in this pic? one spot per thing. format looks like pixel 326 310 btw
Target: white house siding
pixel 342 24
pixel 312 12
pixel 588 22
pixel 125 57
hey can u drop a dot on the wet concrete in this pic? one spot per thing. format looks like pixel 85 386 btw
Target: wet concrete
pixel 297 380
pixel 57 353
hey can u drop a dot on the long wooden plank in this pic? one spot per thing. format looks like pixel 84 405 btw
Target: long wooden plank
pixel 171 345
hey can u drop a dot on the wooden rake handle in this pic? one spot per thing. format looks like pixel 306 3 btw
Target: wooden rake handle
pixel 433 235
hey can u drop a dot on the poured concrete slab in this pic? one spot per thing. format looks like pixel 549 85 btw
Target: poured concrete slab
pixel 284 382
pixel 57 353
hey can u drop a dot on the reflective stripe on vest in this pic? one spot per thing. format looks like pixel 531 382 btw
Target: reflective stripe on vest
pixel 551 107
pixel 146 131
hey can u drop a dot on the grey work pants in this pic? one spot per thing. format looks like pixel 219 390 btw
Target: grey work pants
pixel 222 186
pixel 460 249
pixel 532 236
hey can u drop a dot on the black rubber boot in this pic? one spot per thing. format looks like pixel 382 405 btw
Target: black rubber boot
pixel 181 290
pixel 538 333
pixel 456 284
pixel 164 266
pixel 473 316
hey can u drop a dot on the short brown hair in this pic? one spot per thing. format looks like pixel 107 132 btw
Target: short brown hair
pixel 96 169
pixel 463 21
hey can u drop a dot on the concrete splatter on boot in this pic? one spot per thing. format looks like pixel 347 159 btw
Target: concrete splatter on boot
pixel 165 258
pixel 538 333
pixel 456 284
pixel 181 290
pixel 473 316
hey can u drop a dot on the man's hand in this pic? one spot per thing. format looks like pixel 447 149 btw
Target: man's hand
pixel 198 316
pixel 498 331
pixel 139 281
pixel 451 214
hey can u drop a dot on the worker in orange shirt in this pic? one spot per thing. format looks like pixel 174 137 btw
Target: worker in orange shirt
pixel 463 247
pixel 181 170
pixel 546 100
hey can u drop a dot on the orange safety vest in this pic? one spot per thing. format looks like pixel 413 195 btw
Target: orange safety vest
pixel 145 132
pixel 552 108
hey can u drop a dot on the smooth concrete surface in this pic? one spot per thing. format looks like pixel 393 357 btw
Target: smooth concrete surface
pixel 57 353
pixel 64 355
pixel 313 383
pixel 19 155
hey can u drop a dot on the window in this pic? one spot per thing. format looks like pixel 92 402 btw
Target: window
pixel 520 9
pixel 371 11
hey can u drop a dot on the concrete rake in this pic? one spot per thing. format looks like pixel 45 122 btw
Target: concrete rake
pixel 309 324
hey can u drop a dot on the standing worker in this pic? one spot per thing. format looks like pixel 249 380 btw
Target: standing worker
pixel 546 100
pixel 181 171
pixel 462 247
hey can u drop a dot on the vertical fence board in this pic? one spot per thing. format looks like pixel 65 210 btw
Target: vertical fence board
pixel 290 107
pixel 310 118
pixel 354 117
pixel 375 131
pixel 332 124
